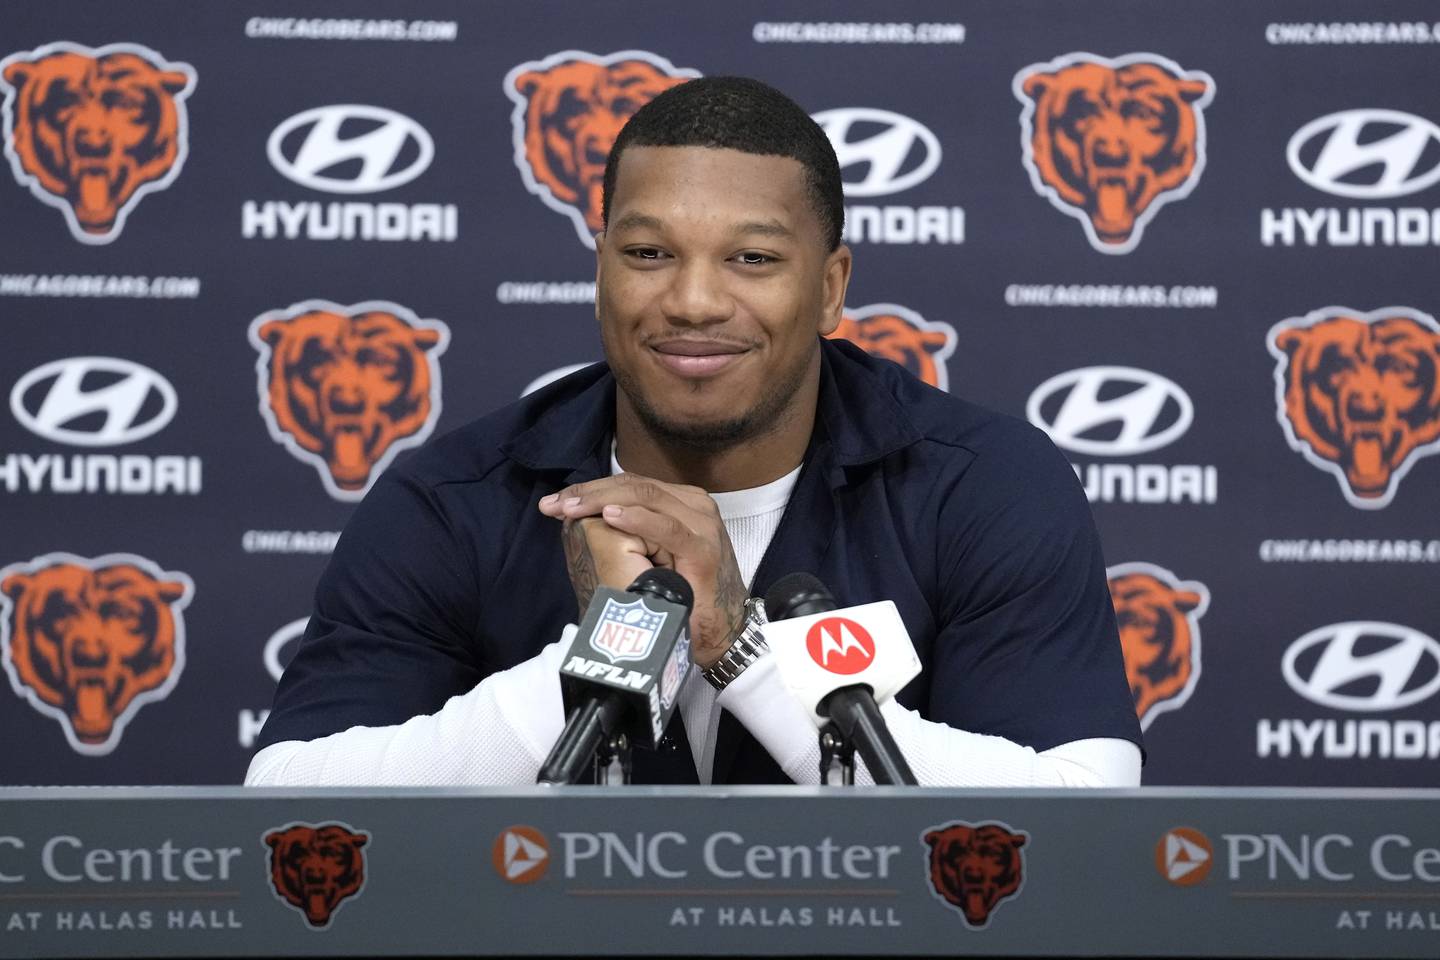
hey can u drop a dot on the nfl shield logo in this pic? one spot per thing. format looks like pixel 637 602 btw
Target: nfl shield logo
pixel 626 631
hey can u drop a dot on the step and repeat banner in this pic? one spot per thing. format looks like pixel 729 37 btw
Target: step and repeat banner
pixel 252 254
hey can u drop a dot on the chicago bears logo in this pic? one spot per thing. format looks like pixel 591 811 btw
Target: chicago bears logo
pixel 92 130
pixel 896 333
pixel 91 641
pixel 1358 394
pixel 347 388
pixel 569 108
pixel 1111 141
pixel 973 866
pixel 1159 619
pixel 316 867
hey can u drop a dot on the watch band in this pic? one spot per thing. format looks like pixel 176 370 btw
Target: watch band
pixel 748 646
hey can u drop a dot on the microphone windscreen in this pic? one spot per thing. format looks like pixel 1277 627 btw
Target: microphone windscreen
pixel 797 595
pixel 666 584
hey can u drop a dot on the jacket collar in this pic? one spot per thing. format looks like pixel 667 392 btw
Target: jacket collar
pixel 856 413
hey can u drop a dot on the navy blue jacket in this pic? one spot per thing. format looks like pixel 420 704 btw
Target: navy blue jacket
pixel 972 522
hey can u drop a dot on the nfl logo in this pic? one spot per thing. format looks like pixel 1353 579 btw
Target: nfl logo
pixel 626 631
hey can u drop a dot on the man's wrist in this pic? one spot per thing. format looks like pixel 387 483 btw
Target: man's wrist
pixel 747 646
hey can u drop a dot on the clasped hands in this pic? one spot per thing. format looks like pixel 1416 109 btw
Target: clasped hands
pixel 616 528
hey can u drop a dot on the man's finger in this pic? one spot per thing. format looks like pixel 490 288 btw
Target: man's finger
pixel 554 504
pixel 660 530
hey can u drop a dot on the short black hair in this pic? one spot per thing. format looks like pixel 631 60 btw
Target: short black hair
pixel 738 113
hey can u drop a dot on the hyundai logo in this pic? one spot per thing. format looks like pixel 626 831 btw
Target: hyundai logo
pixel 350 148
pixel 1110 411
pixel 1363 666
pixel 93 401
pixel 890 151
pixel 1366 154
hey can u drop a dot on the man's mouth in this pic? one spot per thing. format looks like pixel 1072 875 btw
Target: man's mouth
pixel 698 358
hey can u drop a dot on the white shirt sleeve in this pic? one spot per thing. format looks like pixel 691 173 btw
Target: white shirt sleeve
pixel 498 733
pixel 501 731
pixel 939 755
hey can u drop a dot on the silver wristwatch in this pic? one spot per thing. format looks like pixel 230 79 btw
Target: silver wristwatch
pixel 748 646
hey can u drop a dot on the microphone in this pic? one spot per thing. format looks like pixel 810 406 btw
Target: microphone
pixel 623 671
pixel 842 664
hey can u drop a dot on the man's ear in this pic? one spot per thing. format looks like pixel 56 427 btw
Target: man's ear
pixel 836 281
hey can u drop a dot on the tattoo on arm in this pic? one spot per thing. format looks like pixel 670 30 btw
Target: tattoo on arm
pixel 730 596
pixel 580 564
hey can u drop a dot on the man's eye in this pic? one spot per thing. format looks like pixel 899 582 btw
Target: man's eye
pixel 644 253
pixel 755 259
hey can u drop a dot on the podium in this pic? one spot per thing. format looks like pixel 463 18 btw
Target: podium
pixel 586 871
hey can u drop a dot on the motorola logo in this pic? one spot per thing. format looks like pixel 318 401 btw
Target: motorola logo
pixel 1367 154
pixel 880 152
pixel 840 645
pixel 1110 411
pixel 350 148
pixel 1363 666
pixel 93 401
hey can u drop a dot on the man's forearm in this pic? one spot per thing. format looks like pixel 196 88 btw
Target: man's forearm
pixel 497 733
pixel 939 755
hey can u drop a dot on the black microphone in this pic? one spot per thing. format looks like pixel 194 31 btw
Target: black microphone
pixel 841 663
pixel 623 671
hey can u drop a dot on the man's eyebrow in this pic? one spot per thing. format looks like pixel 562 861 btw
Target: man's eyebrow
pixel 638 221
pixel 767 228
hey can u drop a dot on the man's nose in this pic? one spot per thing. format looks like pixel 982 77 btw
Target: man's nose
pixel 697 295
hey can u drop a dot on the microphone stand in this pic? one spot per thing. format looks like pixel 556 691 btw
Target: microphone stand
pixel 613 749
pixel 835 748
pixel 855 722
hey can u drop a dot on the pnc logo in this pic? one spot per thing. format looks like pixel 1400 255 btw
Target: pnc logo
pixel 1358 394
pixel 974 866
pixel 840 645
pixel 1110 411
pixel 350 148
pixel 90 641
pixel 569 107
pixel 1111 141
pixel 316 867
pixel 893 332
pixel 1158 615
pixel 275 657
pixel 1363 666
pixel 345 389
pixel 520 854
pixel 93 401
pixel 92 130
pixel 1184 856
pixel 880 152
pixel 1366 154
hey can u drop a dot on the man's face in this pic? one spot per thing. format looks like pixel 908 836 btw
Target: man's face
pixel 713 283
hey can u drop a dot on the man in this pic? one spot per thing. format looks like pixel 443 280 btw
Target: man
pixel 726 439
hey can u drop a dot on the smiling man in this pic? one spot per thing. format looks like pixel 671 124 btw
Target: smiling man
pixel 725 438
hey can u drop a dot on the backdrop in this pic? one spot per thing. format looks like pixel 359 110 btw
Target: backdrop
pixel 254 253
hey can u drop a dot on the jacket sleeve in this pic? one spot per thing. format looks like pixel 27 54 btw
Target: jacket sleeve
pixel 1027 648
pixel 391 634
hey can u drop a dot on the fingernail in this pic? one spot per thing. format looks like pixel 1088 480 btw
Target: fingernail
pixel 613 511
pixel 550 499
pixel 572 502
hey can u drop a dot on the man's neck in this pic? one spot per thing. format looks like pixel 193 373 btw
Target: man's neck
pixel 753 462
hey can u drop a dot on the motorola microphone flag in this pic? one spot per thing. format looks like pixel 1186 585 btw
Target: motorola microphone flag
pixel 821 652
